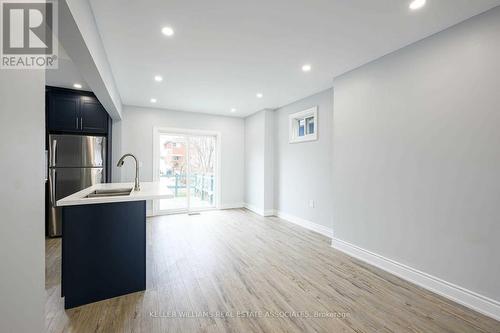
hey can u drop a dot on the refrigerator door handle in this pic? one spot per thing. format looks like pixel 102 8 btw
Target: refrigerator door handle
pixel 53 156
pixel 52 184
pixel 46 167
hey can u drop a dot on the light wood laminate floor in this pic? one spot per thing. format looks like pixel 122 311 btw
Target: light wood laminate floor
pixel 234 271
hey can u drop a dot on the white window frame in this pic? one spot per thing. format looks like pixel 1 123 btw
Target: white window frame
pixel 293 125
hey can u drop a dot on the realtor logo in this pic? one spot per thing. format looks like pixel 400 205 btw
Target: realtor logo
pixel 28 34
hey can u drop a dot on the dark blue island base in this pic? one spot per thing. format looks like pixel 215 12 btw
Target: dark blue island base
pixel 103 251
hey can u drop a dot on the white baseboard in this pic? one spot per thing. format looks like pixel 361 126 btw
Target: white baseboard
pixel 254 209
pixel 321 229
pixel 269 212
pixel 232 205
pixel 259 210
pixel 470 299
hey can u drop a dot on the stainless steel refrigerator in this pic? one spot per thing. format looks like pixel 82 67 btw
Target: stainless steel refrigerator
pixel 75 162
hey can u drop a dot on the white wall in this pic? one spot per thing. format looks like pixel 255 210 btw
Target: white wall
pixel 116 150
pixel 303 170
pixel 269 151
pixel 416 158
pixel 259 151
pixel 254 161
pixel 136 133
pixel 22 247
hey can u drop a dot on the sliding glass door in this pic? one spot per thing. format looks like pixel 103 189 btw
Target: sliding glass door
pixel 201 172
pixel 186 164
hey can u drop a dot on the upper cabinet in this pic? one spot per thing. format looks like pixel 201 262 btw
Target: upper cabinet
pixel 93 116
pixel 63 112
pixel 72 111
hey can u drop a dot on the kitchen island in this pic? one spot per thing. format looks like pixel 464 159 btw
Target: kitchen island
pixel 104 241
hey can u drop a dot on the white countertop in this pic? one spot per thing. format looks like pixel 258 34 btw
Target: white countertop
pixel 149 191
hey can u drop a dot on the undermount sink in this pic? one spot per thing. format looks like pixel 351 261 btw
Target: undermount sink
pixel 110 193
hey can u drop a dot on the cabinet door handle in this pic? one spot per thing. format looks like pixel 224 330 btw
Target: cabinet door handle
pixel 76 122
pixel 81 123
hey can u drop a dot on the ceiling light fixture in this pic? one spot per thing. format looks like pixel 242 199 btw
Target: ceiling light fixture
pixel 167 31
pixel 233 110
pixel 158 78
pixel 153 100
pixel 417 4
pixel 306 68
pixel 77 86
pixel 259 95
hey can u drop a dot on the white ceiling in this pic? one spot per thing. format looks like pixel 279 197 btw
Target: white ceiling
pixel 225 51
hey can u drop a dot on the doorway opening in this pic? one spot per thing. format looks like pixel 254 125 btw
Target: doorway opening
pixel 187 163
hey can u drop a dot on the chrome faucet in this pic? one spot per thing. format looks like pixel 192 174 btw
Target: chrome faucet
pixel 137 187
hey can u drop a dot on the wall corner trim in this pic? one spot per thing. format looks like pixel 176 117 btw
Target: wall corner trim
pixel 470 299
pixel 321 229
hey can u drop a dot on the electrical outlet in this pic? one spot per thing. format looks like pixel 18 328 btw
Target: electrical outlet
pixel 311 203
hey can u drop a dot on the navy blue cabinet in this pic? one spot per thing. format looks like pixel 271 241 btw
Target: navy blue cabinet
pixel 64 112
pixel 94 119
pixel 71 111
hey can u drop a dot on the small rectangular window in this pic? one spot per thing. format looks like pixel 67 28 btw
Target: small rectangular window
pixel 303 125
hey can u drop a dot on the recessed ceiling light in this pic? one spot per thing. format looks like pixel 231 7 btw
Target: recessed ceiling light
pixel 158 78
pixel 306 68
pixel 153 100
pixel 167 31
pixel 77 86
pixel 417 4
pixel 259 95
pixel 233 110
